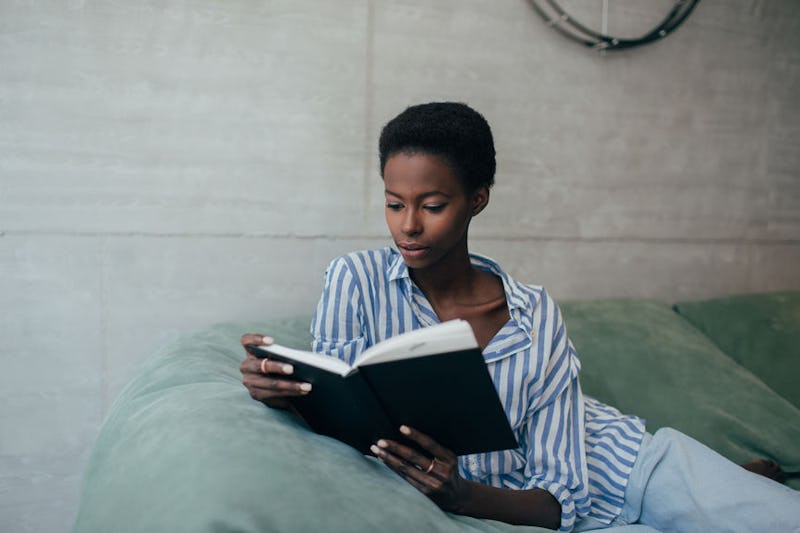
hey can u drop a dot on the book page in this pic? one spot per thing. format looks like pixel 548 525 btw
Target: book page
pixel 325 362
pixel 450 336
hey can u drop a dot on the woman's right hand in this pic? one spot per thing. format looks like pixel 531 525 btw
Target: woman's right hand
pixel 266 379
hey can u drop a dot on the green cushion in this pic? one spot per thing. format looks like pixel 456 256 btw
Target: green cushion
pixel 646 360
pixel 760 332
pixel 185 449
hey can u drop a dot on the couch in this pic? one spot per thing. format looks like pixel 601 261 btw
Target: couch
pixel 184 447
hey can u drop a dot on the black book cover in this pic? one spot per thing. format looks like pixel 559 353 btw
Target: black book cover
pixel 342 407
pixel 448 396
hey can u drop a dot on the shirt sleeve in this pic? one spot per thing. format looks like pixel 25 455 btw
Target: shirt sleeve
pixel 336 326
pixel 556 453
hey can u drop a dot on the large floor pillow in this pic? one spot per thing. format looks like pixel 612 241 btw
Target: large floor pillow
pixel 759 331
pixel 645 359
pixel 185 449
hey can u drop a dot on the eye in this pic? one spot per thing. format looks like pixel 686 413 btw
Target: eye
pixel 434 208
pixel 394 206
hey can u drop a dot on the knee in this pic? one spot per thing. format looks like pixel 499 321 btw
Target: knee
pixel 667 434
pixel 670 437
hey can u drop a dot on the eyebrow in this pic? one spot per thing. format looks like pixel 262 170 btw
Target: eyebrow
pixel 423 195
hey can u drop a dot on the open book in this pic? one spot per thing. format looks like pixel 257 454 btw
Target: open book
pixel 432 379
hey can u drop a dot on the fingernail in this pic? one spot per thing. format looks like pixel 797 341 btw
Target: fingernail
pixel 305 387
pixel 383 444
pixel 287 369
pixel 405 430
pixel 267 340
pixel 374 449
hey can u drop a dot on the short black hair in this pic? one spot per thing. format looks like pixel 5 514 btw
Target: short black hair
pixel 451 130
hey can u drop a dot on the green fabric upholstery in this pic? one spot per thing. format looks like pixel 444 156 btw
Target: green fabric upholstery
pixel 185 449
pixel 646 360
pixel 761 332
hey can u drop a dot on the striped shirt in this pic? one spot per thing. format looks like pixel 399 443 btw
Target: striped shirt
pixel 576 448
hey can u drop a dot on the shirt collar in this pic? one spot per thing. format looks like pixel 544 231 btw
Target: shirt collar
pixel 397 267
pixel 516 297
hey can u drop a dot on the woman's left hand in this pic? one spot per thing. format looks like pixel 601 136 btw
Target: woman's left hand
pixel 434 473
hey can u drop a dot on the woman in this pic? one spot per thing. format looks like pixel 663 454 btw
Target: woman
pixel 581 464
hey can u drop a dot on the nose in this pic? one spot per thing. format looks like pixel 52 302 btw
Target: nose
pixel 411 222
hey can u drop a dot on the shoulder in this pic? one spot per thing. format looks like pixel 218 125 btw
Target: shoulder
pixel 544 312
pixel 364 259
pixel 362 265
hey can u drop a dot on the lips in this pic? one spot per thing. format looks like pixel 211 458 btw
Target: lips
pixel 412 250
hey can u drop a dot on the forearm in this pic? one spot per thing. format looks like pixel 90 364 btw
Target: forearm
pixel 533 507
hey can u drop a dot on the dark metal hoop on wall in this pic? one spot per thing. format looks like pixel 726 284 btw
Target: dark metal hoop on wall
pixel 556 17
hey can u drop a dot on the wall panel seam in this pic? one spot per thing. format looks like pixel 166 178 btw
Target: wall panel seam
pixel 382 236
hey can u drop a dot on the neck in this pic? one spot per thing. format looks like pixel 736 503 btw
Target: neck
pixel 448 279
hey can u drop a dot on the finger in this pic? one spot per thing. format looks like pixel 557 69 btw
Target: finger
pixel 269 394
pixel 257 365
pixel 426 483
pixel 406 453
pixel 256 338
pixel 422 487
pixel 428 444
pixel 412 456
pixel 276 385
pixel 282 397
pixel 270 366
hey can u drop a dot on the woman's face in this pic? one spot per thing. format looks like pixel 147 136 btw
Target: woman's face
pixel 427 210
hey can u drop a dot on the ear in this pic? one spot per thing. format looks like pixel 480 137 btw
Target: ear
pixel 479 200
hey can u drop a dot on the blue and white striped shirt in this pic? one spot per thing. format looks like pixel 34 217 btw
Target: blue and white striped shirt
pixel 578 449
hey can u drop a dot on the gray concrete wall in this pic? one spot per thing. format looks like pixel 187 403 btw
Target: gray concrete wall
pixel 168 165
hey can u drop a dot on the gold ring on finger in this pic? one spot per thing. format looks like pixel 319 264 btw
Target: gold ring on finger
pixel 430 466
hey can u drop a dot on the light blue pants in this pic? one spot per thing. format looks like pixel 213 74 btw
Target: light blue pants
pixel 680 485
